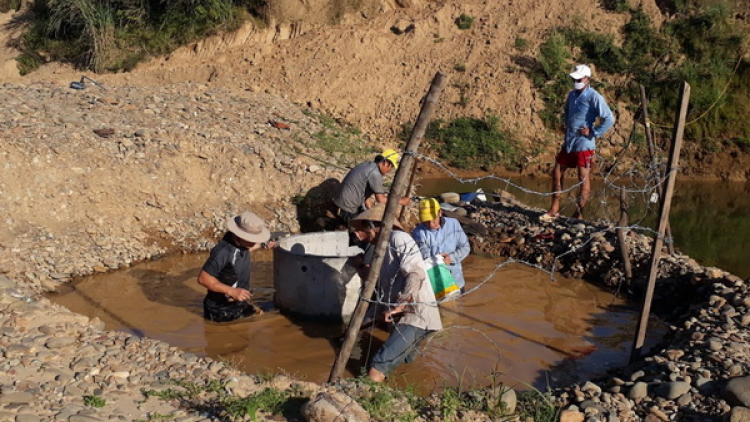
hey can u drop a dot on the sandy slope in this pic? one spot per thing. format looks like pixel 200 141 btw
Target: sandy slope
pixel 361 71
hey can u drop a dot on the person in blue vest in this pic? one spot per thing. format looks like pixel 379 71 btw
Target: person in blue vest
pixel 226 273
pixel 583 107
pixel 440 235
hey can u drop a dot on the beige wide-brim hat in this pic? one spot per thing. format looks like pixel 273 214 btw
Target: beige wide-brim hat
pixel 248 226
pixel 376 213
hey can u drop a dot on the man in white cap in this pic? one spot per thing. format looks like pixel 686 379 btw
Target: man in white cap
pixel 226 273
pixel 582 108
pixel 404 294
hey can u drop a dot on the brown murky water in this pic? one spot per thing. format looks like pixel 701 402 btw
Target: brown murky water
pixel 519 325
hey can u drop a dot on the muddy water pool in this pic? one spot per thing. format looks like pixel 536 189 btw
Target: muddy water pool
pixel 519 325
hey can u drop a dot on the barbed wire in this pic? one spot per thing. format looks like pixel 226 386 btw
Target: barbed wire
pixel 644 181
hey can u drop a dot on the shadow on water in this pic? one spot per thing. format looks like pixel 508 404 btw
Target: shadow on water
pixel 519 324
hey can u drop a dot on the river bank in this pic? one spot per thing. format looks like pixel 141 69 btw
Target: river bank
pixel 164 177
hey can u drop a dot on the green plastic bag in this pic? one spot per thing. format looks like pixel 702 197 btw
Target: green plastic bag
pixel 441 279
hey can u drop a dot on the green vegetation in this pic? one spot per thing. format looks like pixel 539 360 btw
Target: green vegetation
pixel 701 46
pixel 522 44
pixel 385 403
pixel 460 67
pixel 94 401
pixel 464 21
pixel 111 35
pixel 472 143
pixel 8 5
pixel 537 406
pixel 213 395
pixel 340 140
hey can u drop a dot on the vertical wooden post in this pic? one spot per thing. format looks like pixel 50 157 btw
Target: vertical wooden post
pixel 624 250
pixel 652 153
pixel 391 209
pixel 674 160
pixel 408 188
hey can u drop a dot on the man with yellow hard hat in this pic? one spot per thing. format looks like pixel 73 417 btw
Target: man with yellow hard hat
pixel 363 181
pixel 437 234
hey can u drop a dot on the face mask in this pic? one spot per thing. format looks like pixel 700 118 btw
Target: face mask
pixel 578 85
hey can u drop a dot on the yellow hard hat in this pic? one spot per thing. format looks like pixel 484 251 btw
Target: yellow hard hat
pixel 428 209
pixel 392 156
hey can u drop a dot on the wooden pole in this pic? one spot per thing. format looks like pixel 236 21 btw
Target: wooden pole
pixel 652 153
pixel 391 209
pixel 624 250
pixel 408 189
pixel 674 160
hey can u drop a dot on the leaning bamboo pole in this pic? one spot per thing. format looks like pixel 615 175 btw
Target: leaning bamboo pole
pixel 391 209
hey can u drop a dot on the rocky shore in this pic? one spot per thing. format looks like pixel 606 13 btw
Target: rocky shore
pixel 94 180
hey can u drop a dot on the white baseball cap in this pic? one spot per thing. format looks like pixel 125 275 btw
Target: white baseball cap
pixel 581 71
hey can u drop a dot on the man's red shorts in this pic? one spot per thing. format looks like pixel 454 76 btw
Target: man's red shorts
pixel 576 159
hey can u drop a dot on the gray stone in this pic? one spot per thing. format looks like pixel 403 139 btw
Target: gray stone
pixel 84 418
pixel 60 342
pixel 739 414
pixel 507 396
pixel 672 390
pixel 333 406
pixel 571 415
pixel 737 392
pixel 638 391
pixel 20 397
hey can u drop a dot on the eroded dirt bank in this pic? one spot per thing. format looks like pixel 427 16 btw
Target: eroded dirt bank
pixel 369 66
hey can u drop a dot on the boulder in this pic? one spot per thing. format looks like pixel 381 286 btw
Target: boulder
pixel 737 392
pixel 334 406
pixel 739 414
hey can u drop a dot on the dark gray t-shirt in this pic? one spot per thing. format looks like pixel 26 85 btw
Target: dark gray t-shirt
pixel 361 182
pixel 230 265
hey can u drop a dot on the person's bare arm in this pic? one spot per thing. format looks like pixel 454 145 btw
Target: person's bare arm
pixel 213 284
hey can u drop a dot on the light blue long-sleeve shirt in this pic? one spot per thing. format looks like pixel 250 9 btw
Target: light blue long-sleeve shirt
pixel 581 110
pixel 450 239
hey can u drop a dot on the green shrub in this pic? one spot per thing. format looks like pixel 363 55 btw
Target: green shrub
pixel 340 139
pixel 596 48
pixel 379 399
pixel 470 143
pixel 8 5
pixel 537 406
pixel 522 44
pixel 700 46
pixel 616 5
pixel 554 56
pixel 94 401
pixel 460 68
pixel 112 35
pixel 464 21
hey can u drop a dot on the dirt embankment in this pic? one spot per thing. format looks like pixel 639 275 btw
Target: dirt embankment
pixel 370 67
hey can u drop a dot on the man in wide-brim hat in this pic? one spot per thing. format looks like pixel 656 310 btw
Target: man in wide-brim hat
pixel 226 273
pixel 404 294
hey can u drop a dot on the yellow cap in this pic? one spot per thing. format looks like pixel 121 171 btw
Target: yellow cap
pixel 428 209
pixel 392 156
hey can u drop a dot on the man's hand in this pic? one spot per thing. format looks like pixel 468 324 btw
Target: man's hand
pixel 584 131
pixel 238 294
pixel 446 258
pixel 389 315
